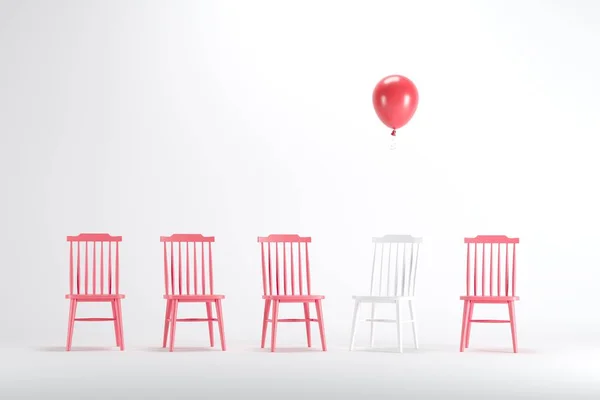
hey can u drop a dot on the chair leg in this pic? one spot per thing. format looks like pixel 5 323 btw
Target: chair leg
pixel 274 324
pixel 174 307
pixel 209 315
pixel 354 320
pixel 513 324
pixel 307 318
pixel 120 314
pixel 265 323
pixel 321 324
pixel 113 304
pixel 372 336
pixel 413 318
pixel 470 317
pixel 71 326
pixel 221 324
pixel 167 322
pixel 464 325
pixel 399 324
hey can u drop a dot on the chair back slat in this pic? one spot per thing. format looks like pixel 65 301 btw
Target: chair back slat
pixel 110 269
pixel 101 267
pixel 389 267
pixel 187 269
pixel 195 271
pixel 94 268
pixel 179 265
pixel 491 265
pixel 285 265
pixel 475 271
pixel 277 268
pixel 181 273
pixel 117 267
pixel 396 270
pixel 172 270
pixel 202 254
pixel 514 270
pixel 84 276
pixel 270 268
pixel 210 270
pixel 403 252
pixel 86 268
pixel 300 280
pixel 284 271
pixel 468 269
pixel 71 268
pixel 78 265
pixel 380 273
pixel 292 273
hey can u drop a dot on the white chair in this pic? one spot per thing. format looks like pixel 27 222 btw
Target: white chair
pixel 393 278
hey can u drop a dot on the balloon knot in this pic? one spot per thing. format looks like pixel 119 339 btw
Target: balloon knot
pixel 394 132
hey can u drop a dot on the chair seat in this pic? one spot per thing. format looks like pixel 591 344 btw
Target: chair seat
pixel 490 299
pixel 94 297
pixel 382 299
pixel 295 298
pixel 194 297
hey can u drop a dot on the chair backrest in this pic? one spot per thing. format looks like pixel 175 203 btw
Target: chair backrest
pixel 100 273
pixel 403 252
pixel 491 265
pixel 176 274
pixel 285 265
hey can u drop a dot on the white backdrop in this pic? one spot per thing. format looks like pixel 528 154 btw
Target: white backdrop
pixel 244 118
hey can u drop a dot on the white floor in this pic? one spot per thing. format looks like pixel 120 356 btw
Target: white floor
pixel 555 371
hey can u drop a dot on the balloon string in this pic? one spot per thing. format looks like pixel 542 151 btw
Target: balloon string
pixel 394 132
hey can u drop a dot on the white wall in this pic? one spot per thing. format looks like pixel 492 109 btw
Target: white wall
pixel 244 118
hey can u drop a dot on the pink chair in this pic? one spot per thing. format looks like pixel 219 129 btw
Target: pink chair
pixel 182 284
pixel 95 280
pixel 285 282
pixel 491 279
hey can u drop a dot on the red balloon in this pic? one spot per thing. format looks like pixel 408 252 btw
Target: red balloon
pixel 395 99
